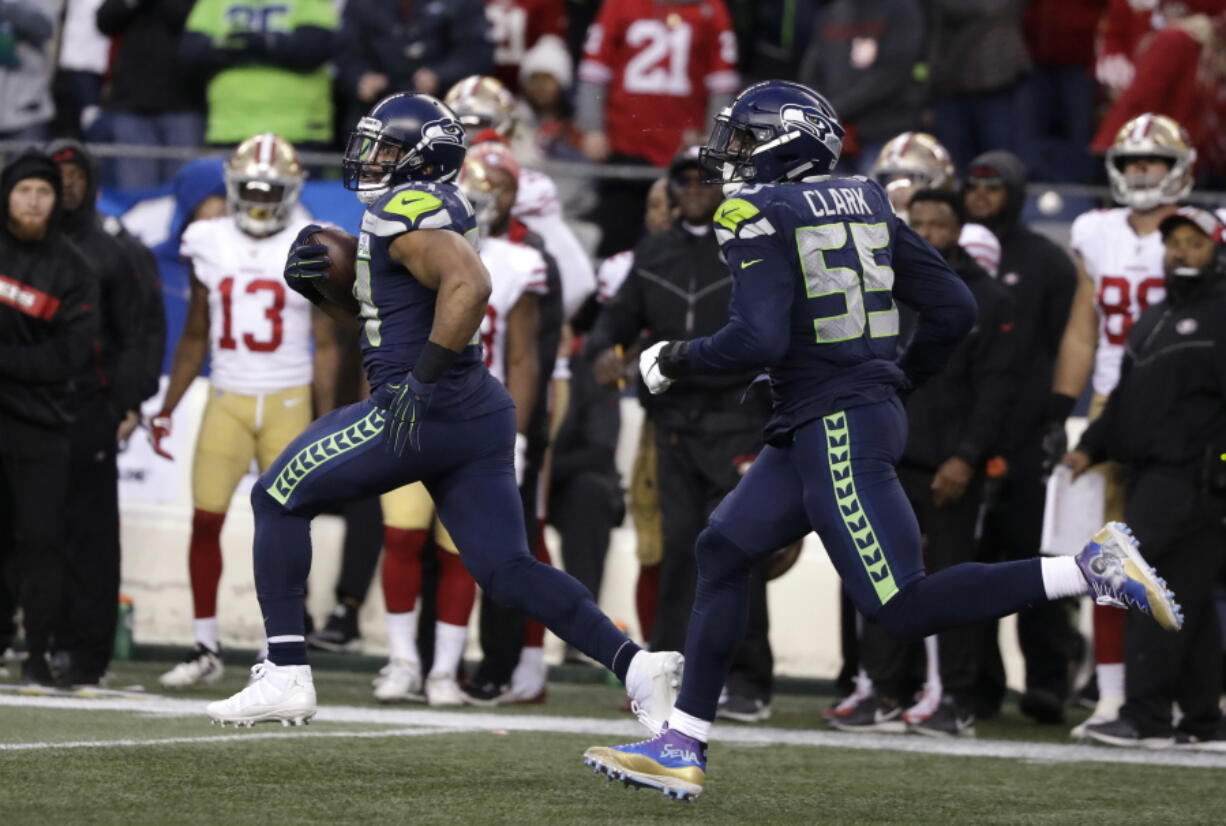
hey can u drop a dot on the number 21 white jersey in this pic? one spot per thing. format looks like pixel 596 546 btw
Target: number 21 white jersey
pixel 259 330
pixel 1127 273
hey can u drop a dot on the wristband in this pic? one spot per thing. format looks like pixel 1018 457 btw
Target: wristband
pixel 433 361
pixel 1059 406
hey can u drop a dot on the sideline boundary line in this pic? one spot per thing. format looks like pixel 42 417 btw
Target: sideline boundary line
pixel 469 722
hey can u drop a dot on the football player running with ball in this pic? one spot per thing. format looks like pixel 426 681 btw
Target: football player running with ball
pixel 435 415
pixel 817 263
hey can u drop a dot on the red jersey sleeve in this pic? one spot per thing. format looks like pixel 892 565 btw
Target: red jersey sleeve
pixel 600 45
pixel 721 76
pixel 1169 62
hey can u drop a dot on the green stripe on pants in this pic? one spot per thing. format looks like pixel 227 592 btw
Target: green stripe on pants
pixel 324 450
pixel 863 537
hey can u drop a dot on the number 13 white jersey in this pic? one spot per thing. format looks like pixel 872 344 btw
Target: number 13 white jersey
pixel 1127 273
pixel 259 330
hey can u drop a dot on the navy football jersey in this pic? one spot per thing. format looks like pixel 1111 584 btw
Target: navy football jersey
pixel 397 311
pixel 816 269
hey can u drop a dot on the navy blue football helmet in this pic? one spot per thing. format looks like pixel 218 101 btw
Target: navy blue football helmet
pixel 405 137
pixel 774 131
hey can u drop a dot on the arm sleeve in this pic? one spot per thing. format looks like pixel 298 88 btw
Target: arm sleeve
pixel 199 54
pixel 925 283
pixel 65 353
pixel 29 22
pixel 306 47
pixel 471 49
pixel 758 327
pixel 994 377
pixel 620 321
pixel 899 49
pixel 1168 61
pixel 113 16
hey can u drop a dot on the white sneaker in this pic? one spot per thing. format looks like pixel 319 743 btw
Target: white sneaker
pixel 528 683
pixel 443 690
pixel 653 687
pixel 200 666
pixel 276 692
pixel 927 703
pixel 398 681
pixel 1107 709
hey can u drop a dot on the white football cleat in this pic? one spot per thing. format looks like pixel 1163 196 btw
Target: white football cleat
pixel 399 681
pixel 655 687
pixel 1106 710
pixel 443 690
pixel 200 666
pixel 284 693
pixel 528 683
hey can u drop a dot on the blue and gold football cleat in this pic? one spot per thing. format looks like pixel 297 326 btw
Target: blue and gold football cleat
pixel 1120 576
pixel 672 762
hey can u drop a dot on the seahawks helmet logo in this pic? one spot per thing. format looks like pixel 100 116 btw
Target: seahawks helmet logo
pixel 443 130
pixel 809 119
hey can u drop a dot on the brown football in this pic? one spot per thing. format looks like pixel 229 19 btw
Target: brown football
pixel 342 249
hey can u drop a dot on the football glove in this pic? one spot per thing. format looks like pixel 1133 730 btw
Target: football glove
pixel 662 363
pixel 307 264
pixel 159 429
pixel 1055 445
pixel 406 403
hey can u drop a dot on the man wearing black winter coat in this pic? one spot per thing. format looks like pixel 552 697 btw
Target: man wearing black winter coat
pixel 1165 421
pixel 48 322
pixel 954 426
pixel 110 389
pixel 1041 277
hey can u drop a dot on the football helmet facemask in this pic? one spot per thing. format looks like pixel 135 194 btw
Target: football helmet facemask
pixel 263 181
pixel 405 137
pixel 774 131
pixel 1151 136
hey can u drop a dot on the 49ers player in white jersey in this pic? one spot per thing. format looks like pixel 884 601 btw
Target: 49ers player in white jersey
pixel 1119 267
pixel 258 337
pixel 487 111
pixel 509 335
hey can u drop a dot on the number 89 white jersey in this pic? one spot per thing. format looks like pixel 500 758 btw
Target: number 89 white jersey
pixel 1127 273
pixel 259 330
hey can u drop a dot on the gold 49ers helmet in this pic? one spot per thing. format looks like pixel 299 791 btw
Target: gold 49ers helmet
pixel 1150 136
pixel 489 180
pixel 482 102
pixel 263 182
pixel 910 162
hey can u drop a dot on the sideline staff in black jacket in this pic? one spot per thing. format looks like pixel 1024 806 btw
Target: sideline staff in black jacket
pixel 1166 422
pixel 48 321
pixel 955 424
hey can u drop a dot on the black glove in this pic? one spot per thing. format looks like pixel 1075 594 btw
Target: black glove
pixel 406 403
pixel 1055 445
pixel 306 265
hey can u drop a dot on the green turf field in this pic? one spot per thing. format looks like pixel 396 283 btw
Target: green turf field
pixel 147 758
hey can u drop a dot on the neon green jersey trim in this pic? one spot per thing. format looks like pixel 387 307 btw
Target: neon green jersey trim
pixel 734 212
pixel 413 204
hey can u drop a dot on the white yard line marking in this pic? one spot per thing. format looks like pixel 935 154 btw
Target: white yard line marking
pixel 222 738
pixel 622 730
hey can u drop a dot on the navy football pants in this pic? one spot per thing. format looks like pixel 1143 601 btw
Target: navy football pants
pixel 837 478
pixel 468 468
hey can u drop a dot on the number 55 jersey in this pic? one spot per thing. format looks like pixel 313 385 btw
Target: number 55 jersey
pixel 1127 272
pixel 816 269
pixel 259 332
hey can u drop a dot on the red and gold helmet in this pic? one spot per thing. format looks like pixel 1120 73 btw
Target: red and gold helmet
pixel 489 180
pixel 263 182
pixel 482 102
pixel 1151 136
pixel 910 162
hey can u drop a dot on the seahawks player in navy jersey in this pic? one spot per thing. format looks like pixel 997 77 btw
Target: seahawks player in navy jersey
pixel 435 415
pixel 818 263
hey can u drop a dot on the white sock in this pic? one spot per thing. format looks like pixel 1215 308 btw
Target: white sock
pixel 1110 679
pixel 634 675
pixel 532 657
pixel 932 673
pixel 448 648
pixel 1062 578
pixel 402 636
pixel 700 730
pixel 207 633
